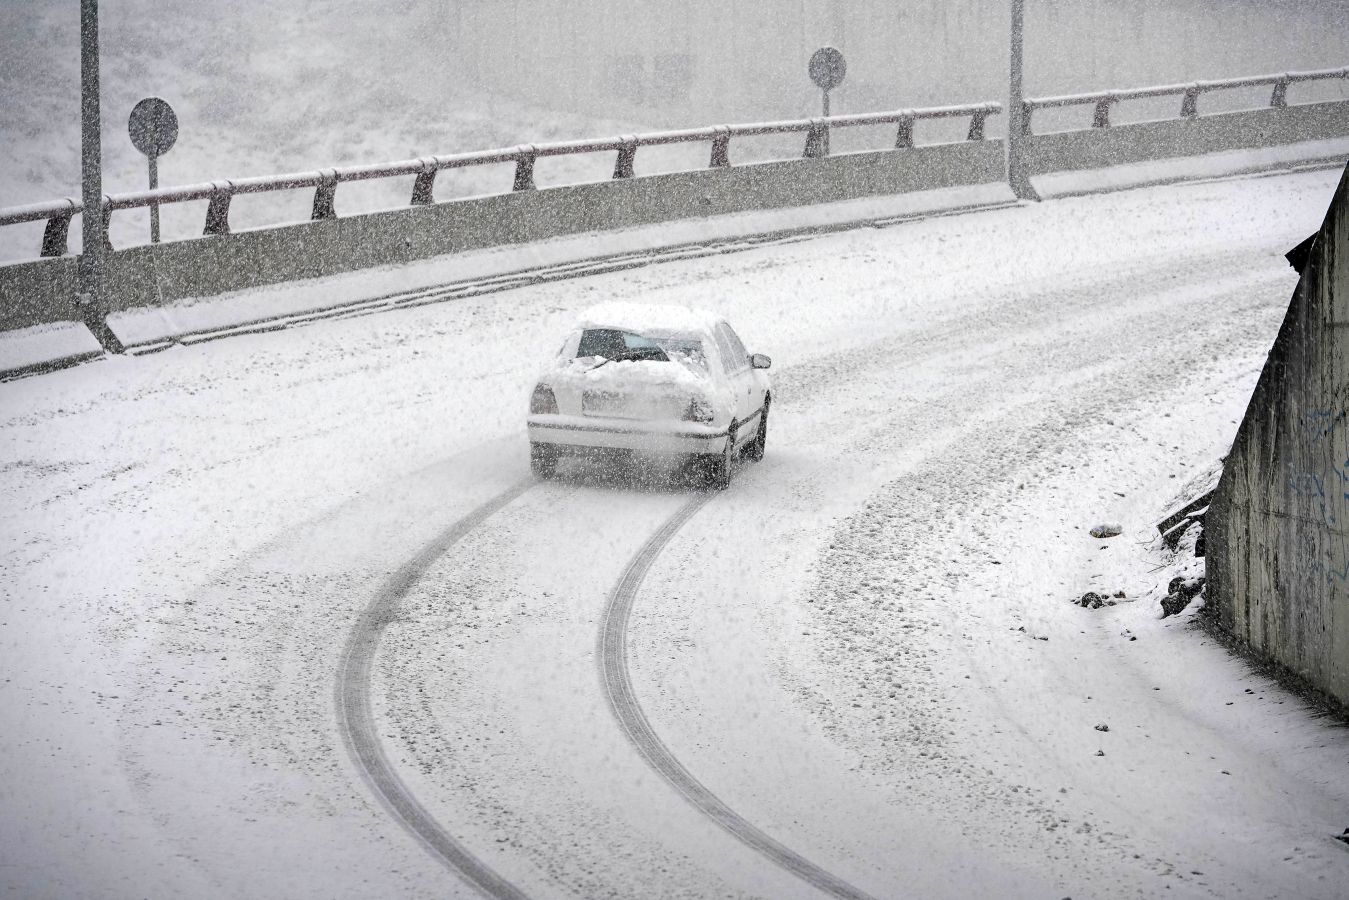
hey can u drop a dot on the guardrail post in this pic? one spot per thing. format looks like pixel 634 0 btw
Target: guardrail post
pixel 817 141
pixel 976 132
pixel 1101 118
pixel 218 211
pixel 904 133
pixel 56 236
pixel 423 189
pixel 325 196
pixel 524 169
pixel 1189 104
pixel 627 155
pixel 1279 99
pixel 721 149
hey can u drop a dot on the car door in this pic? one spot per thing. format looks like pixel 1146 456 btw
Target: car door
pixel 740 376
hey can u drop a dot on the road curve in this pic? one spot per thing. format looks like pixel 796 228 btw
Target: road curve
pixel 617 683
pixel 356 720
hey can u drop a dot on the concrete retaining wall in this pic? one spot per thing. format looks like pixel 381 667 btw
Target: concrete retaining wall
pixel 1099 148
pixel 41 291
pixel 1277 531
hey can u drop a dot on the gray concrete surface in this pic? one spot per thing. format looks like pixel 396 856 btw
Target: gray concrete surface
pixel 1277 532
pixel 1099 148
pixel 38 292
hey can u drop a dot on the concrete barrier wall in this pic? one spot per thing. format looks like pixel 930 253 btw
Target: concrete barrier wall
pixel 41 291
pixel 1099 148
pixel 1277 532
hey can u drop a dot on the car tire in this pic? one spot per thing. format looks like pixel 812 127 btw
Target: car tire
pixel 542 460
pixel 756 448
pixel 719 467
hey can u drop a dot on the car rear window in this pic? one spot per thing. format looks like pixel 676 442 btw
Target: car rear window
pixel 612 342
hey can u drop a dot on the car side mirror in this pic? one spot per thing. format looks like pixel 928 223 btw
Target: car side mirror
pixel 759 361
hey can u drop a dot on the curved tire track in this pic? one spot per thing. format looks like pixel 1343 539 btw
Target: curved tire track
pixel 617 683
pixel 356 720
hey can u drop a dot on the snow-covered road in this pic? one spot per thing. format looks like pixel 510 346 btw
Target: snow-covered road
pixel 244 623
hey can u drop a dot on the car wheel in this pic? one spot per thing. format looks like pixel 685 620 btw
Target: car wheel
pixel 719 467
pixel 542 460
pixel 756 448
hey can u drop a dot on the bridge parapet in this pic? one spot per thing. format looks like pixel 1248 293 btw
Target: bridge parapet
pixel 325 182
pixel 1189 94
pixel 1190 133
pixel 41 291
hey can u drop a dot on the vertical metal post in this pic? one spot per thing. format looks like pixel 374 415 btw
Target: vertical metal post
pixel 1016 111
pixel 92 273
pixel 825 112
pixel 154 204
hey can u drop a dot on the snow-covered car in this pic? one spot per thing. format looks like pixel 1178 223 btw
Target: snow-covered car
pixel 665 380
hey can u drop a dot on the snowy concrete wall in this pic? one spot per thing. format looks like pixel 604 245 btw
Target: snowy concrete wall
pixel 39 292
pixel 1099 148
pixel 1278 528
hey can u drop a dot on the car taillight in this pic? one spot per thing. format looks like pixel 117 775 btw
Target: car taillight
pixel 698 410
pixel 542 401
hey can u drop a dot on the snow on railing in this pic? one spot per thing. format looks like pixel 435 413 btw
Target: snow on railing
pixel 1189 94
pixel 59 213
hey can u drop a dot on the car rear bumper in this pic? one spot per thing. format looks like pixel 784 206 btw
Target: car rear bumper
pixel 580 433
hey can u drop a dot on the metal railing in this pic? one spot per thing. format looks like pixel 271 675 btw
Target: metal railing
pixel 1189 94
pixel 58 214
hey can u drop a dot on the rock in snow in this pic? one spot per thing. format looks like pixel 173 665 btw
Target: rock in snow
pixel 1106 530
pixel 1179 594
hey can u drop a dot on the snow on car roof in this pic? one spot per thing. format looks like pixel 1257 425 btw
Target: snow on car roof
pixel 649 318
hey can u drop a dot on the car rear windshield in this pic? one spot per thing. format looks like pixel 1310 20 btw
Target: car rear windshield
pixel 614 343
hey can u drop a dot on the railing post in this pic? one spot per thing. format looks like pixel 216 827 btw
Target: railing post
pixel 218 211
pixel 1279 99
pixel 524 169
pixel 107 223
pixel 1101 118
pixel 627 155
pixel 56 236
pixel 423 189
pixel 904 133
pixel 721 149
pixel 1189 104
pixel 976 132
pixel 817 141
pixel 325 196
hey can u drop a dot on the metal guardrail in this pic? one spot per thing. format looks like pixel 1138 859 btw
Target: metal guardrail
pixel 1189 94
pixel 58 214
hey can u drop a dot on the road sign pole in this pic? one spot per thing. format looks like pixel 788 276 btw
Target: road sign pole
pixel 1016 111
pixel 154 204
pixel 826 115
pixel 827 68
pixel 153 129
pixel 91 274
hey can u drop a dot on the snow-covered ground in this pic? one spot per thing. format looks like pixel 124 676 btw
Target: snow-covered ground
pixel 866 647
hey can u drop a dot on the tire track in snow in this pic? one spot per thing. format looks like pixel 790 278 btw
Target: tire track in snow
pixel 617 683
pixel 356 719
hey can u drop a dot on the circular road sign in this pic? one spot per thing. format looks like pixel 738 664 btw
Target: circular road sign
pixel 827 68
pixel 153 127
